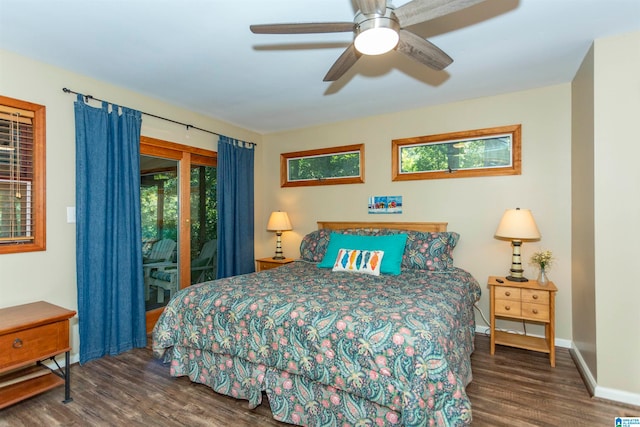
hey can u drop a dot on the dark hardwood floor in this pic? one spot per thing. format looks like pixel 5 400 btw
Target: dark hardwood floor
pixel 513 388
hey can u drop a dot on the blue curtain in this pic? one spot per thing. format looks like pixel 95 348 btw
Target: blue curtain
pixel 111 311
pixel 235 207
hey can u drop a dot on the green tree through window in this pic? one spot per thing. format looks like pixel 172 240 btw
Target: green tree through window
pixel 333 166
pixel 445 156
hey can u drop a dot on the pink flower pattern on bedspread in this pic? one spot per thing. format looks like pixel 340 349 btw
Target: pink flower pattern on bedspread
pixel 330 348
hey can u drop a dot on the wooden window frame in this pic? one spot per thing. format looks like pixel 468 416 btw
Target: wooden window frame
pixel 284 166
pixel 515 168
pixel 38 205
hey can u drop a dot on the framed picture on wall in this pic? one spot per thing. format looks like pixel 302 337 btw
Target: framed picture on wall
pixel 385 205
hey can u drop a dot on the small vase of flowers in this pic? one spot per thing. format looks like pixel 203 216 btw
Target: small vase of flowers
pixel 542 260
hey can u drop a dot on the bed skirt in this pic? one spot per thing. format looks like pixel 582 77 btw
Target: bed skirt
pixel 294 399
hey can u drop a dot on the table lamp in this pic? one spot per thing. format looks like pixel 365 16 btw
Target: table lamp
pixel 279 222
pixel 517 225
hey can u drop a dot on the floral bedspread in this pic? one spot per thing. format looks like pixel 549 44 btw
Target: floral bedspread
pixel 402 341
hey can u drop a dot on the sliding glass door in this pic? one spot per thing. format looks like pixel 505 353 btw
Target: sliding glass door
pixel 159 184
pixel 204 223
pixel 179 220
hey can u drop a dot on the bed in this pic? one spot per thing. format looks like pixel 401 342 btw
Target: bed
pixel 336 347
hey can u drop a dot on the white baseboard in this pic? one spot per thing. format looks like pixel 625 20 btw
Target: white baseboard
pixel 617 395
pixel 599 391
pixel 584 370
pixel 559 341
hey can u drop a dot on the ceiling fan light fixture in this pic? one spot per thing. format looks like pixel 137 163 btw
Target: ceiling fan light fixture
pixel 376 34
pixel 378 28
pixel 376 41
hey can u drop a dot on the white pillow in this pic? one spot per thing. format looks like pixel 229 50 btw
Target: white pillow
pixel 359 261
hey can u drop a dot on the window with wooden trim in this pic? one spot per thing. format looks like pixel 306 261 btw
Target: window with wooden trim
pixel 325 166
pixel 22 176
pixel 473 153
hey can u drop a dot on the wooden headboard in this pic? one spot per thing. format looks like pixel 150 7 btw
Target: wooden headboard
pixel 415 226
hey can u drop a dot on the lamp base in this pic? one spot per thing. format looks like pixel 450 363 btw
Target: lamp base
pixel 516 264
pixel 279 255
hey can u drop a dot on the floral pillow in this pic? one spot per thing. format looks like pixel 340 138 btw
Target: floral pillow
pixel 359 261
pixel 423 250
pixel 429 251
pixel 314 245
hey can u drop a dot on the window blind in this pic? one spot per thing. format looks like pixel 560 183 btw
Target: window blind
pixel 17 219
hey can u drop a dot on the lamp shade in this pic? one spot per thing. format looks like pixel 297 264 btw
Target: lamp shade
pixel 279 221
pixel 517 224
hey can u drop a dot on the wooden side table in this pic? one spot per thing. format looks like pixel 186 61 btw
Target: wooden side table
pixel 526 301
pixel 30 334
pixel 269 263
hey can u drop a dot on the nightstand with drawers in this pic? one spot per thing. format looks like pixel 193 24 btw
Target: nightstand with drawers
pixel 528 302
pixel 269 263
pixel 29 335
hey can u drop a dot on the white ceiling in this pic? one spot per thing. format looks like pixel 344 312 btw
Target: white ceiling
pixel 201 55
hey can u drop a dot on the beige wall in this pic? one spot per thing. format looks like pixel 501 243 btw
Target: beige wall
pixel 472 206
pixel 582 221
pixel 50 275
pixel 617 211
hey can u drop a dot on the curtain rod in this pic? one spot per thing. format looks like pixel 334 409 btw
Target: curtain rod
pixel 188 126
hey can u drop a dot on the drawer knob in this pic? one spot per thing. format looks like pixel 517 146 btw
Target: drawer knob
pixel 508 293
pixel 535 311
pixel 17 343
pixel 507 307
pixel 535 297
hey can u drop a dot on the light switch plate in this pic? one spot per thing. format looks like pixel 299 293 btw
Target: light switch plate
pixel 71 214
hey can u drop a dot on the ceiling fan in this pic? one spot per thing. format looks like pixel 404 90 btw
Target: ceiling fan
pixel 380 27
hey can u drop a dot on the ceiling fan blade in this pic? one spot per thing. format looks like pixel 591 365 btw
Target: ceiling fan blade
pixel 316 27
pixel 342 64
pixel 418 11
pixel 421 50
pixel 369 7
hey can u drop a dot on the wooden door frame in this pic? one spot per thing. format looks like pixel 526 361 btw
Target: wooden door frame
pixel 185 156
